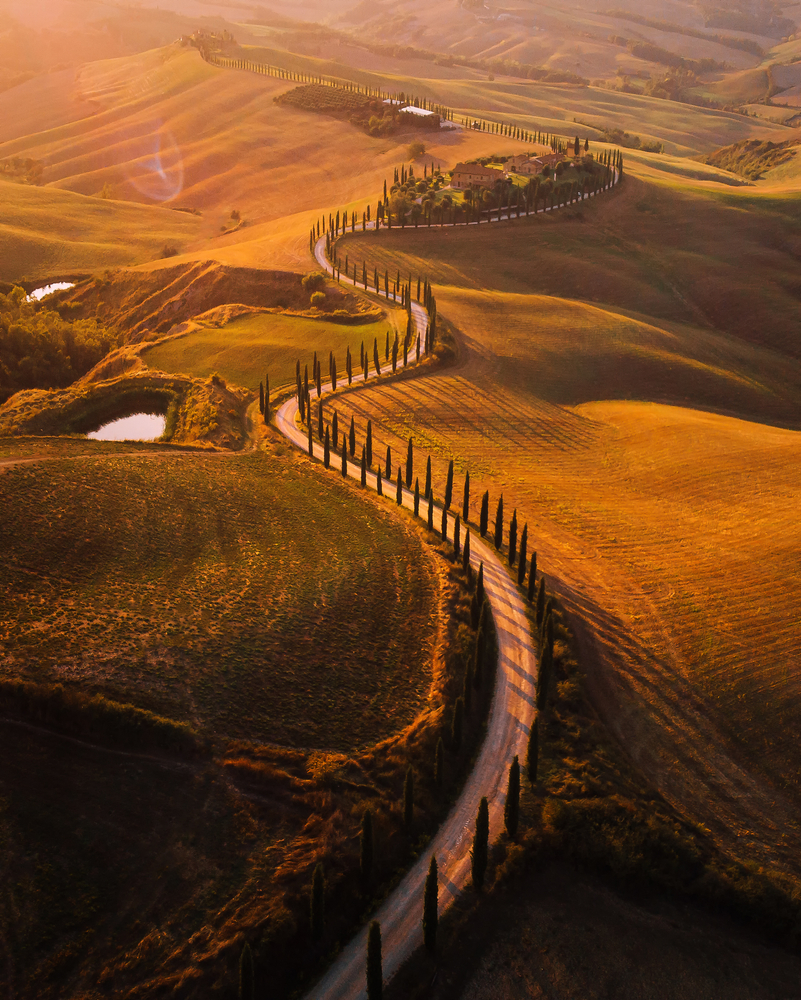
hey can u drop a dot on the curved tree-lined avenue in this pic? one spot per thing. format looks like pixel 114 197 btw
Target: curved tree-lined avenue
pixel 510 718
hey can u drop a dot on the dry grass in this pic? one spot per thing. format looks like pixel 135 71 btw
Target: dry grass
pixel 671 532
pixel 185 584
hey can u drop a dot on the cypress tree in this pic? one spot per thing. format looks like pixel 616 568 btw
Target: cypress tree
pixel 388 466
pixel 386 348
pixel 319 380
pixel 428 478
pixel 416 497
pixel 361 355
pixel 352 438
pixel 431 513
pixel 320 419
pixel 311 441
pixel 457 725
pixel 379 482
pixel 376 365
pixel 409 464
pixel 532 752
pixel 532 578
pixel 444 525
pixel 344 459
pixel 327 449
pixel 430 916
pixel 513 539
pixel 467 687
pixel 335 432
pixel 364 466
pixel 499 525
pixel 484 520
pixel 306 383
pixel 247 975
pixel 466 501
pixel 369 444
pixel 366 847
pixel 349 367
pixel 399 489
pixel 466 554
pixel 266 399
pixel 480 587
pixel 456 539
pixel 408 798
pixel 544 676
pixel 317 903
pixel 375 974
pixel 261 397
pixel 511 809
pixel 522 565
pixel 439 764
pixel 449 486
pixel 478 856
pixel 540 601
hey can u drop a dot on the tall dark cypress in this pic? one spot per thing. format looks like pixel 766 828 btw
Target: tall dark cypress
pixel 376 364
pixel 369 444
pixel 428 478
pixel 540 602
pixel 409 464
pixel 327 449
pixel 399 489
pixel 247 975
pixel 349 366
pixel 544 675
pixel 352 438
pixel 532 578
pixel 319 380
pixel 466 553
pixel 261 397
pixel 457 725
pixel 375 973
pixel 320 419
pixel 532 752
pixel 449 486
pixel 311 441
pixel 444 528
pixel 513 539
pixel 335 431
pixel 480 587
pixel 388 466
pixel 479 854
pixel 499 525
pixel 364 467
pixel 430 916
pixel 317 902
pixel 379 482
pixel 522 565
pixel 484 520
pixel 431 513
pixel 366 858
pixel 511 809
pixel 416 497
pixel 344 458
pixel 266 399
pixel 408 798
pixel 466 500
pixel 457 542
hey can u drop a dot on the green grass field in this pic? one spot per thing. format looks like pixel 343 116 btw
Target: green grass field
pixel 245 349
pixel 194 586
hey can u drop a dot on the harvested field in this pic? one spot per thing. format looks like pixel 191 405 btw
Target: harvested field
pixel 192 586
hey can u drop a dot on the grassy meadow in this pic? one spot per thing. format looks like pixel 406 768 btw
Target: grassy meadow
pixel 247 347
pixel 193 586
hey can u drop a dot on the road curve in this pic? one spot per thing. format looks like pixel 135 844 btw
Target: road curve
pixel 510 717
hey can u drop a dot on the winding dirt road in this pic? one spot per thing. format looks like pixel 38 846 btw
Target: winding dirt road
pixel 510 717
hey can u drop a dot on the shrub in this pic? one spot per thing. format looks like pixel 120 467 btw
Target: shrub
pixel 314 281
pixel 318 300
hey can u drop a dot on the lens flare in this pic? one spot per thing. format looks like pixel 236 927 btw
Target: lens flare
pixel 157 171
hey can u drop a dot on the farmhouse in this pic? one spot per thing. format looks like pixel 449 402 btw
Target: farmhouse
pixel 469 175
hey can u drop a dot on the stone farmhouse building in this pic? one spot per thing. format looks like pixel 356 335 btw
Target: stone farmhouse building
pixel 473 175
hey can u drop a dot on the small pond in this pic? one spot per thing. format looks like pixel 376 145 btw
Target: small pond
pixel 136 427
pixel 39 293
